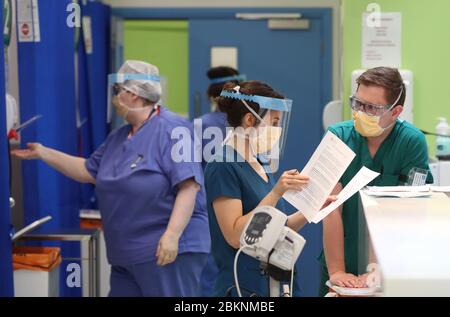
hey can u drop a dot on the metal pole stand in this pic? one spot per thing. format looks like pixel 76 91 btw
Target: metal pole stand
pixel 274 287
pixel 276 276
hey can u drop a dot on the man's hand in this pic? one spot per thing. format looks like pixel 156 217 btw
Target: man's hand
pixel 344 279
pixel 329 200
pixel 363 279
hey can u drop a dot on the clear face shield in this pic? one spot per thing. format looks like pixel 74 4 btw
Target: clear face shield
pixel 267 139
pixel 141 85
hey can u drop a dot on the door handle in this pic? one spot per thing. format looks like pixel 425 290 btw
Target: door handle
pixel 278 21
pixel 266 16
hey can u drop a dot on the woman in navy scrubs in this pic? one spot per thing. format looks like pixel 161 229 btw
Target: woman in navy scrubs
pixel 152 204
pixel 238 180
pixel 216 121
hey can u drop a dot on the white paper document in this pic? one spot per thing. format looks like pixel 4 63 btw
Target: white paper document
pixel 440 189
pixel 381 39
pixel 325 168
pixel 398 194
pixel 399 191
pixel 410 189
pixel 361 179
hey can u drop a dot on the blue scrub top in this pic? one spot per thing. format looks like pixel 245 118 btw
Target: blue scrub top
pixel 237 180
pixel 216 119
pixel 136 186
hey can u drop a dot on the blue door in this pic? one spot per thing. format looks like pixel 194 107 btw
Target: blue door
pixel 297 63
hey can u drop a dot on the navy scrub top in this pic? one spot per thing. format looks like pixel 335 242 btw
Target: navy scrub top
pixel 226 176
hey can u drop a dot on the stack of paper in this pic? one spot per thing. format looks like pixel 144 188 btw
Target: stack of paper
pixel 440 189
pixel 354 292
pixel 399 191
pixel 424 188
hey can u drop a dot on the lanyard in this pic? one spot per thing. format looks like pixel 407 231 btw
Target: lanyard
pixel 156 108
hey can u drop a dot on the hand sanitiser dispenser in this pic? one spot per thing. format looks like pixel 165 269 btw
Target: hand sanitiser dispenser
pixel 443 140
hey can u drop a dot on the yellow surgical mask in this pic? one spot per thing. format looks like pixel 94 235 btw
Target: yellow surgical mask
pixel 262 139
pixel 367 126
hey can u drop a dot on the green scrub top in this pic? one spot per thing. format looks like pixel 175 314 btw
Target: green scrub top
pixel 404 149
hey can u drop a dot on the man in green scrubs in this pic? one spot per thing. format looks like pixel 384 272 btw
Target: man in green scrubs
pixel 383 143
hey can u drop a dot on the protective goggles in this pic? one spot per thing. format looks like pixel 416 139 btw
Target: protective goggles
pixel 371 109
pixel 126 82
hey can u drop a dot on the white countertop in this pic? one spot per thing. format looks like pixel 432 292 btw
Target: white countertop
pixel 411 240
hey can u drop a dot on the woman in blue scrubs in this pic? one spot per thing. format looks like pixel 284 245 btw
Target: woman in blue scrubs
pixel 217 118
pixel 151 202
pixel 237 180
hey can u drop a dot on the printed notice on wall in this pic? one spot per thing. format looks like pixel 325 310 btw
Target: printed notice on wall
pixel 28 21
pixel 381 39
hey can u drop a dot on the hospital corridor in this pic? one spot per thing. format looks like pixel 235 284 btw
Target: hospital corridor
pixel 225 154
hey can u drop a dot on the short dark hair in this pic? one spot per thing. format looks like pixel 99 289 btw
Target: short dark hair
pixel 219 72
pixel 388 78
pixel 235 109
